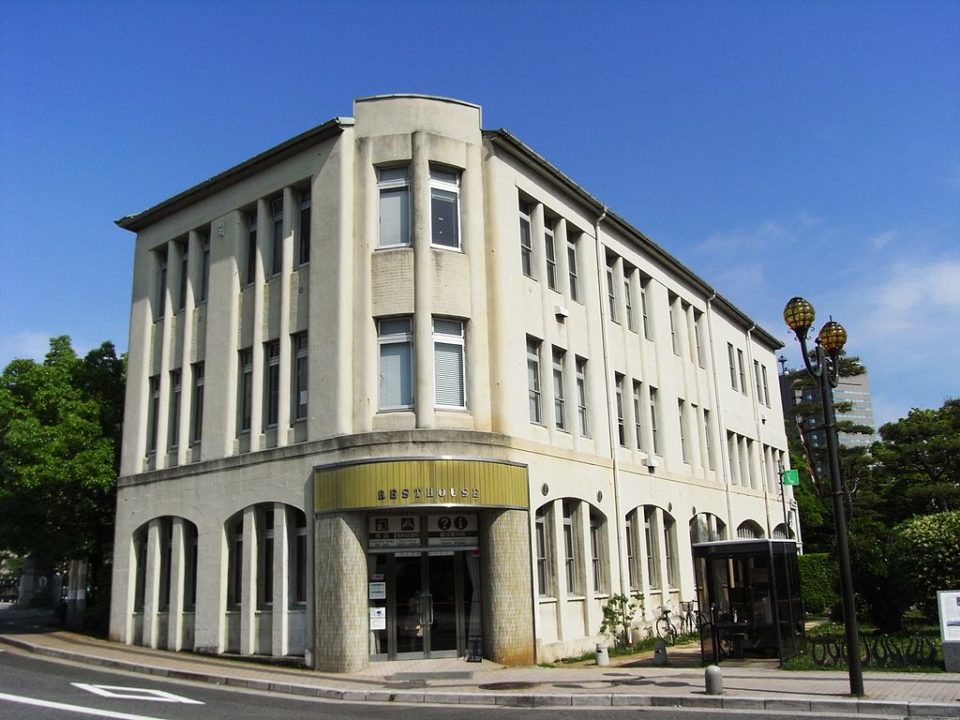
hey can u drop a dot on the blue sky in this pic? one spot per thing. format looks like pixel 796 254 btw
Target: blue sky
pixel 775 148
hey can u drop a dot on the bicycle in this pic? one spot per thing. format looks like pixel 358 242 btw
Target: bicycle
pixel 666 630
pixel 691 620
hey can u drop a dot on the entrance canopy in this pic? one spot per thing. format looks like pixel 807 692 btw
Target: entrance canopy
pixel 750 592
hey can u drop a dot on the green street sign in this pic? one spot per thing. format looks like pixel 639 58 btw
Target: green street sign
pixel 791 477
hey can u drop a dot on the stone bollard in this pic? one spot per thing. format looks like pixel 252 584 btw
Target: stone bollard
pixel 714 680
pixel 660 653
pixel 603 657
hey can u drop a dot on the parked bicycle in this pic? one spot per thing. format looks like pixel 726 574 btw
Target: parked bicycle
pixel 666 630
pixel 691 619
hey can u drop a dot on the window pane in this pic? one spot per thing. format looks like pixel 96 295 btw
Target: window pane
pixel 394 217
pixel 449 374
pixel 443 219
pixel 396 369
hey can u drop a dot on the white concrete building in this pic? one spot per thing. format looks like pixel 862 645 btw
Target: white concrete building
pixel 399 388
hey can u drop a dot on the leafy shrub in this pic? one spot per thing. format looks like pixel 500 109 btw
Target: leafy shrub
pixel 928 558
pixel 818 582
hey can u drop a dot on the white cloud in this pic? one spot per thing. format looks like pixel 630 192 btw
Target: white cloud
pixel 23 344
pixel 880 241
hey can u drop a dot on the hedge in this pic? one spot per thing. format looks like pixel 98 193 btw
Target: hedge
pixel 818 582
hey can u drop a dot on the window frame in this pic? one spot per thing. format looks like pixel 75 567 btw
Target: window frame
pixel 582 414
pixel 251 271
pixel 304 226
pixel 245 390
pixel 196 407
pixel 534 381
pixel 271 384
pixel 550 254
pixel 399 186
pixel 390 339
pixel 559 397
pixel 526 242
pixel 440 185
pixel 572 268
pixel 300 376
pixel 173 415
pixel 276 240
pixel 458 342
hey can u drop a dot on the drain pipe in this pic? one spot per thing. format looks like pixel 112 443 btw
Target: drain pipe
pixel 607 375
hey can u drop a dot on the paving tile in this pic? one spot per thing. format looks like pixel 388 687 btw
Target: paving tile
pixel 591 700
pixel 934 709
pixel 515 700
pixel 741 703
pixel 702 701
pixel 786 704
pixel 620 700
pixel 552 700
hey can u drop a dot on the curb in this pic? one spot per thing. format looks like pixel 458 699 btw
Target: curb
pixel 835 707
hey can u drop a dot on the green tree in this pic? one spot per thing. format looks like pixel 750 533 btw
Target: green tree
pixel 927 557
pixel 918 459
pixel 59 437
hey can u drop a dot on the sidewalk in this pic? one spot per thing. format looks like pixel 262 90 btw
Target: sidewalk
pixel 454 681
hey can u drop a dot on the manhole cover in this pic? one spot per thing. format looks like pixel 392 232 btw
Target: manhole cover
pixel 508 686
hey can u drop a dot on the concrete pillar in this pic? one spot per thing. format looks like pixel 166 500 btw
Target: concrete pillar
pixel 209 621
pixel 290 213
pixel 423 269
pixel 508 632
pixel 340 593
pixel 248 602
pixel 151 603
pixel 281 582
pixel 177 575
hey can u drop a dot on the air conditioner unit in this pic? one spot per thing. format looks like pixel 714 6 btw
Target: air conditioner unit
pixel 652 462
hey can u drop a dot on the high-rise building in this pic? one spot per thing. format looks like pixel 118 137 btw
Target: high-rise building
pixel 851 397
pixel 399 388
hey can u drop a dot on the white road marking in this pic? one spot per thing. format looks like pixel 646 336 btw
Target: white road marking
pixel 128 693
pixel 73 708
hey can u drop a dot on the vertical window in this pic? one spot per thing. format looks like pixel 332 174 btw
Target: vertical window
pixel 303 255
pixel 445 207
pixel 265 537
pixel 572 270
pixel 684 444
pixel 766 386
pixel 153 415
pixel 756 379
pixel 668 550
pixel 674 340
pixel 140 582
pixel 632 575
pixel 653 567
pixel 448 361
pixel 550 250
pixel 173 437
pixel 190 575
pixel 394 186
pixel 637 414
pixel 709 438
pixel 204 288
pixel 697 322
pixel 251 275
pixel 196 409
pixel 526 241
pixel 271 383
pixel 653 421
pixel 559 407
pixel 742 375
pixel 570 549
pixel 276 250
pixel 245 404
pixel 647 330
pixel 298 593
pixel 533 379
pixel 596 552
pixel 166 556
pixel 235 563
pixel 628 300
pixel 621 427
pixel 300 369
pixel 611 291
pixel 733 367
pixel 182 285
pixel 582 396
pixel 544 578
pixel 161 282
pixel 395 337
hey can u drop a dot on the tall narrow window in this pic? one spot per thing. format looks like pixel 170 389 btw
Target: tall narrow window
pixel 684 441
pixel 668 550
pixel 674 340
pixel 550 251
pixel 196 409
pixel 395 337
pixel 153 416
pixel 300 370
pixel 190 558
pixel 582 396
pixel 611 291
pixel 303 254
pixel 766 386
pixel 653 421
pixel 572 270
pixel 637 414
pixel 394 186
pixel 559 405
pixel 621 427
pixel 756 379
pixel 533 380
pixel 709 438
pixel 544 577
pixel 652 543
pixel 741 374
pixel 597 543
pixel 276 248
pixel 265 539
pixel 173 438
pixel 245 404
pixel 161 303
pixel 204 288
pixel 697 322
pixel 628 300
pixel 633 576
pixel 448 358
pixel 570 549
pixel 271 383
pixel 251 274
pixel 445 207
pixel 298 591
pixel 733 367
pixel 647 330
pixel 526 241
pixel 235 562
pixel 182 284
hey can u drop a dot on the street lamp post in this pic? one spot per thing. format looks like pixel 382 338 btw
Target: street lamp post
pixel 825 369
